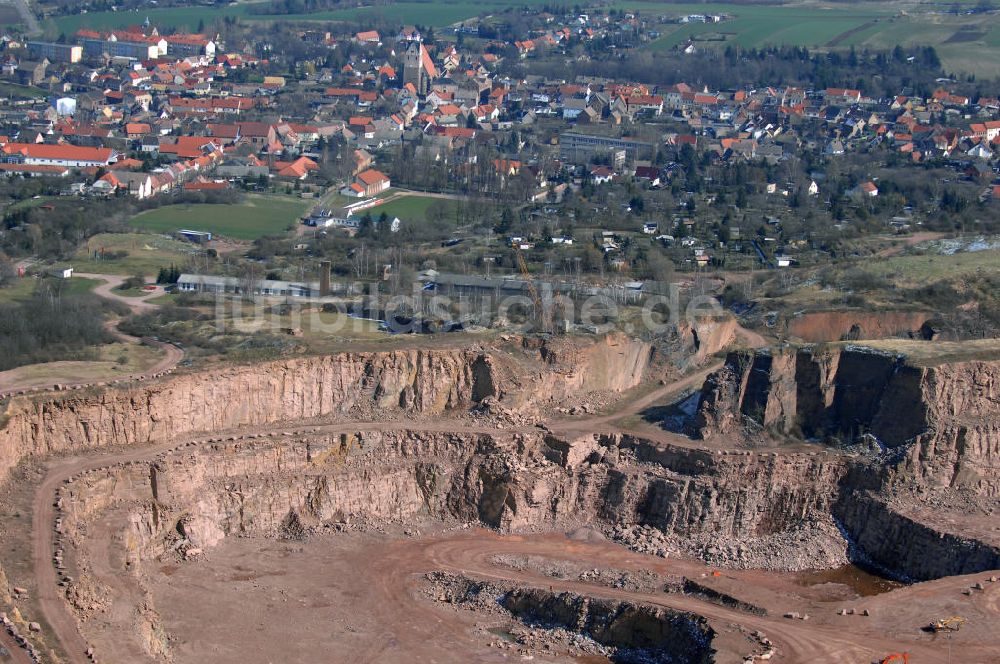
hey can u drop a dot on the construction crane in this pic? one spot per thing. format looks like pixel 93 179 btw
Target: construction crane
pixel 536 299
pixel 951 624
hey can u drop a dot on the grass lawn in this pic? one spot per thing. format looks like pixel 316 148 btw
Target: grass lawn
pixel 110 361
pixel 929 267
pixel 30 202
pixel 8 89
pixel 411 208
pixel 256 217
pixel 22 289
pixel 147 253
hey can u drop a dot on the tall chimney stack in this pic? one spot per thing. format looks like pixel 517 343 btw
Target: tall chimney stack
pixel 324 278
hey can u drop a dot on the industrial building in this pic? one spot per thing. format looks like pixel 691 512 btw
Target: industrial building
pixel 582 148
pixel 68 53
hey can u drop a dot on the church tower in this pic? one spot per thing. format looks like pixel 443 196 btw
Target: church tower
pixel 418 68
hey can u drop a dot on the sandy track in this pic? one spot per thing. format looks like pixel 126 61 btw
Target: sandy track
pixel 53 606
pixel 17 654
pixel 471 553
pixel 172 355
pixel 398 571
pixel 113 281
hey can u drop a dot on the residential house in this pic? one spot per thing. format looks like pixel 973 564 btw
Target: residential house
pixel 367 183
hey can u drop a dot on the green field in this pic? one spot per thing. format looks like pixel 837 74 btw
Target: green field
pixel 146 254
pixel 8 89
pixel 965 43
pixel 256 217
pixel 22 289
pixel 922 269
pixel 412 208
pixel 434 14
pixel 9 16
pixel 756 25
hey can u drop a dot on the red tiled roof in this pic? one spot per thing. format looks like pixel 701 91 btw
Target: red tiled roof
pixel 372 176
pixel 34 168
pixel 63 152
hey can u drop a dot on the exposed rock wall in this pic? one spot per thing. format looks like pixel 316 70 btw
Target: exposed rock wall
pixel 195 497
pixel 938 427
pixel 947 415
pixel 905 547
pixel 504 480
pixel 670 634
pixel 356 385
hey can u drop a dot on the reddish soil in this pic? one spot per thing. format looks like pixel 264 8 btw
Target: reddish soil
pixel 820 326
pixel 358 597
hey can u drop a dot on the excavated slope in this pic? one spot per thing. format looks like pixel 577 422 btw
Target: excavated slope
pixel 819 326
pixel 356 385
pixel 946 417
pixel 512 481
pixel 938 429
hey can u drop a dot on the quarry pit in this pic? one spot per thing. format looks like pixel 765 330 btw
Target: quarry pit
pixel 512 499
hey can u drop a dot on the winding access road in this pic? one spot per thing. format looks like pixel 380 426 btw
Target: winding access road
pixel 172 355
pixel 396 572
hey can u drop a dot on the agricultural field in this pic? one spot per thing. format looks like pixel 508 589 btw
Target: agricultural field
pixel 9 16
pixel 965 42
pixel 256 217
pixel 436 14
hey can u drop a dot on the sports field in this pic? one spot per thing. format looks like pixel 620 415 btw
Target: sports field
pixel 256 217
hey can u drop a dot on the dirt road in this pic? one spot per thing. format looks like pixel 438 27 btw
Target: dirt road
pixel 396 569
pixel 905 243
pixel 472 553
pixel 172 355
pixel 112 282
pixel 17 654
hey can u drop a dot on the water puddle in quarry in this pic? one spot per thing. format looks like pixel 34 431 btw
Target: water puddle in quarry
pixel 862 582
pixel 675 415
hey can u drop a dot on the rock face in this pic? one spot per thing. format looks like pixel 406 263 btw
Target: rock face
pixel 356 385
pixel 261 486
pixel 669 634
pixel 625 631
pixel 904 546
pixel 946 416
pixel 937 429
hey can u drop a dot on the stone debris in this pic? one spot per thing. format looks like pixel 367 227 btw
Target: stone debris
pixel 816 544
pixel 525 621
